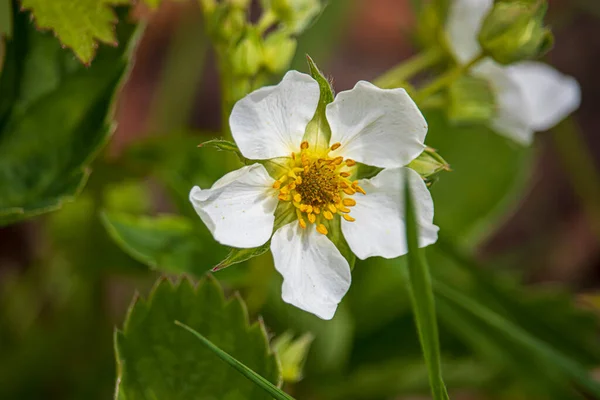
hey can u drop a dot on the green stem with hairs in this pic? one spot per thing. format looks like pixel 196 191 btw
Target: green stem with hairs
pixel 400 74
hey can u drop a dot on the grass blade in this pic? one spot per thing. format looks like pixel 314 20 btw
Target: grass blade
pixel 421 294
pixel 241 368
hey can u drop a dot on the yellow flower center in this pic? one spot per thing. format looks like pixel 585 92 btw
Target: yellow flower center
pixel 318 186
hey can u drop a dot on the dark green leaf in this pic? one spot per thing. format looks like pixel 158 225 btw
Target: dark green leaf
pixel 159 360
pixel 421 294
pixel 224 145
pixel 167 243
pixel 238 366
pixel 318 131
pixel 55 115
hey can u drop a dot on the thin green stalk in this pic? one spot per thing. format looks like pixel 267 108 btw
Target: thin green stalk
pixel 579 165
pixel 252 376
pixel 401 73
pixel 446 79
pixel 422 299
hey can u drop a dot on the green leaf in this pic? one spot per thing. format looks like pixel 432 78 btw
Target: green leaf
pixel 159 360
pixel 78 24
pixel 421 294
pixel 318 131
pixel 5 21
pixel 241 368
pixel 547 355
pixel 55 115
pixel 490 173
pixel 168 243
pixel 236 256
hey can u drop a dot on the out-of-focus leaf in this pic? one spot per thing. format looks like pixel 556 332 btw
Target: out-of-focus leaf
pixel 158 359
pixel 168 243
pixel 421 294
pixel 489 177
pixel 255 378
pixel 5 20
pixel 78 24
pixel 55 115
pixel 292 354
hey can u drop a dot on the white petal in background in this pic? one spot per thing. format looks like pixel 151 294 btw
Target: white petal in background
pixel 530 97
pixel 315 274
pixel 379 127
pixel 379 228
pixel 550 95
pixel 465 18
pixel 239 208
pixel 271 121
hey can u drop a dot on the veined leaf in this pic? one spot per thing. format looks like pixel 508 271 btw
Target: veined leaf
pixel 78 24
pixel 421 294
pixel 159 360
pixel 55 115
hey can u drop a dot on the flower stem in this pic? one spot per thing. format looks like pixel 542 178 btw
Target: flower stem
pixel 446 79
pixel 399 74
pixel 579 165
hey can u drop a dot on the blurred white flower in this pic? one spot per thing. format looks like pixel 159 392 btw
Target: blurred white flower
pixel 378 127
pixel 530 96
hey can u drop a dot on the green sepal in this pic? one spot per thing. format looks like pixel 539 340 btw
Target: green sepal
pixel 225 145
pixel 336 236
pixel 364 171
pixel 318 131
pixel 292 354
pixel 429 164
pixel 470 100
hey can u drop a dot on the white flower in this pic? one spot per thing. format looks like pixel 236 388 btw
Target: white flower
pixel 530 96
pixel 382 128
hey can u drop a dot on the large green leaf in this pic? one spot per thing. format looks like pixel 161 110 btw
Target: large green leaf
pixel 489 177
pixel 168 243
pixel 78 24
pixel 160 360
pixel 55 115
pixel 421 294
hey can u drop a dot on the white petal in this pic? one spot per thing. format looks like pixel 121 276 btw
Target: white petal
pixel 465 18
pixel 549 94
pixel 271 121
pixel 239 208
pixel 315 274
pixel 379 127
pixel 379 229
pixel 513 117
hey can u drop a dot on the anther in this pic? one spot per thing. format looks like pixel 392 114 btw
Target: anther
pixel 331 208
pixel 335 146
pixel 283 197
pixel 297 198
pixel 327 214
pixel 348 218
pixel 349 202
pixel 349 191
pixel 276 185
pixel 302 223
pixel 338 160
pixel 359 189
pixel 304 145
pixel 350 162
pixel 341 208
pixel 316 210
pixel 312 218
pixel 321 229
pixel 344 174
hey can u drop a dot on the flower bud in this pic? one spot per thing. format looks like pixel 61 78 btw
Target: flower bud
pixel 470 100
pixel 514 31
pixel 247 56
pixel 294 14
pixel 292 354
pixel 279 49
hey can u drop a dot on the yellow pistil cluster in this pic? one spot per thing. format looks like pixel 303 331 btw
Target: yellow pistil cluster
pixel 318 186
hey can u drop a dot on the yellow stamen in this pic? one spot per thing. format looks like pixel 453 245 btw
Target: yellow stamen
pixel 297 198
pixel 350 162
pixel 335 146
pixel 359 189
pixel 332 208
pixel 349 191
pixel 276 185
pixel 312 218
pixel 348 218
pixel 349 202
pixel 321 229
pixel 304 145
pixel 328 215
pixel 344 174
